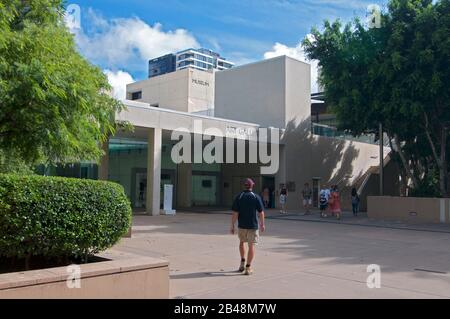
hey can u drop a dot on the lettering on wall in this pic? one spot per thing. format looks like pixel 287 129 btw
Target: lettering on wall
pixel 200 82
pixel 233 131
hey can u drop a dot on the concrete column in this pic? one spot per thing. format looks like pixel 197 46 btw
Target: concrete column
pixel 184 185
pixel 280 177
pixel 154 171
pixel 103 167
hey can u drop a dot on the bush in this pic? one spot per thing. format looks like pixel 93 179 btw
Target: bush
pixel 56 217
pixel 428 186
pixel 11 163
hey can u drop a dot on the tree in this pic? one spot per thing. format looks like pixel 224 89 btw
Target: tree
pixel 54 105
pixel 396 75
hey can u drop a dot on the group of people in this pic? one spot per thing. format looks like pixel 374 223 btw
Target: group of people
pixel 329 200
pixel 248 212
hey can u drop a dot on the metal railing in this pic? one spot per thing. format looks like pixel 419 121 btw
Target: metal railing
pixel 330 131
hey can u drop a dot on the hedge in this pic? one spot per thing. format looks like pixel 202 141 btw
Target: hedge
pixel 58 217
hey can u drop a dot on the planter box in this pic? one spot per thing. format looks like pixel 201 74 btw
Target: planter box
pixel 409 209
pixel 123 276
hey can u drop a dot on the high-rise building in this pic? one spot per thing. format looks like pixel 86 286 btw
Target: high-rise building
pixel 161 65
pixel 200 59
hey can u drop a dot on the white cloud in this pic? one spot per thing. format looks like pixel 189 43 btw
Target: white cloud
pixel 129 43
pixel 119 80
pixel 298 53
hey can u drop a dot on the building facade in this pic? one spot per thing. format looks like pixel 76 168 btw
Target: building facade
pixel 199 59
pixel 162 65
pixel 273 94
pixel 187 90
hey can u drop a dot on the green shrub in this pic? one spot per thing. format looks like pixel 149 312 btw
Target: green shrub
pixel 58 217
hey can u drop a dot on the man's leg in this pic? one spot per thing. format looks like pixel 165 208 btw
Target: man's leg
pixel 251 253
pixel 242 252
pixel 250 256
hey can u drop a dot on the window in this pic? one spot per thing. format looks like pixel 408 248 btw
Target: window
pixel 185 56
pixel 185 63
pixel 136 95
pixel 201 65
pixel 206 183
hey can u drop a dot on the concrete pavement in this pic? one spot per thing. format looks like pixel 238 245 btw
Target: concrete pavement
pixel 295 259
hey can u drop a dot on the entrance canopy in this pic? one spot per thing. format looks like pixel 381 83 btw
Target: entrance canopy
pixel 141 161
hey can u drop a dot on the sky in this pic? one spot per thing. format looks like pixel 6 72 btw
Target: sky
pixel 121 36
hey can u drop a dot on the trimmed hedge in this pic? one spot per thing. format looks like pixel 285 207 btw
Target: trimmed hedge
pixel 58 217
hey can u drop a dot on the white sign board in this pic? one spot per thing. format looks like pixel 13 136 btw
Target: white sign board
pixel 168 198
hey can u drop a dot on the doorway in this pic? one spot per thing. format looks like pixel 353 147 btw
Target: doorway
pixel 268 182
pixel 316 191
pixel 205 190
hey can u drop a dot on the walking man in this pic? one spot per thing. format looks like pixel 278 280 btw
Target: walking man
pixel 249 213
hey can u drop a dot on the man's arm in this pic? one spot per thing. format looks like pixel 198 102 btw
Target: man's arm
pixel 234 218
pixel 262 223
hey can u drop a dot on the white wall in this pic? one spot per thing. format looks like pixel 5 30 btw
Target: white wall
pixel 252 93
pixel 186 90
pixel 271 92
pixel 298 91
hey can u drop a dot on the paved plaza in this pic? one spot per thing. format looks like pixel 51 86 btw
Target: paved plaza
pixel 298 257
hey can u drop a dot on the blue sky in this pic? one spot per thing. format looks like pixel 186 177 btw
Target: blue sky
pixel 120 36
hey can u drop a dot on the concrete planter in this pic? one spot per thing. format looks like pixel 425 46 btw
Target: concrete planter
pixel 123 276
pixel 409 209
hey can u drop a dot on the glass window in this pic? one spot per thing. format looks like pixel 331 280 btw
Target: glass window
pixel 136 95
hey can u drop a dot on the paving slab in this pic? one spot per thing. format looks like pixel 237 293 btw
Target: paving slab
pixel 294 259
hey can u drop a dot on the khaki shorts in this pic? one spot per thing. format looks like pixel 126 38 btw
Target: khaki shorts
pixel 248 235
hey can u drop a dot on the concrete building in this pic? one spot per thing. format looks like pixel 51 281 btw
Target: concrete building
pixel 187 90
pixel 199 59
pixel 276 93
pixel 272 94
pixel 162 65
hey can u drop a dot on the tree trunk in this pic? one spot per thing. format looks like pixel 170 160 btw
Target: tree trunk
pixel 443 163
pixel 405 162
pixel 403 177
pixel 441 158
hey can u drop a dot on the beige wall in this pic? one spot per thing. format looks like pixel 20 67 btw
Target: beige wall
pixel 129 277
pixel 335 161
pixel 391 184
pixel 186 90
pixel 272 92
pixel 298 91
pixel 409 209
pixel 253 93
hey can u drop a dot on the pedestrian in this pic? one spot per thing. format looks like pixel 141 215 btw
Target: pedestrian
pixel 266 197
pixel 355 201
pixel 283 199
pixel 249 213
pixel 323 200
pixel 335 202
pixel 307 198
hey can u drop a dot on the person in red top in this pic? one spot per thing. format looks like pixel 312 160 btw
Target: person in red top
pixel 335 202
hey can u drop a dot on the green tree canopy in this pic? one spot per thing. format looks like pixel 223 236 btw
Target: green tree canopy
pixel 54 104
pixel 397 75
